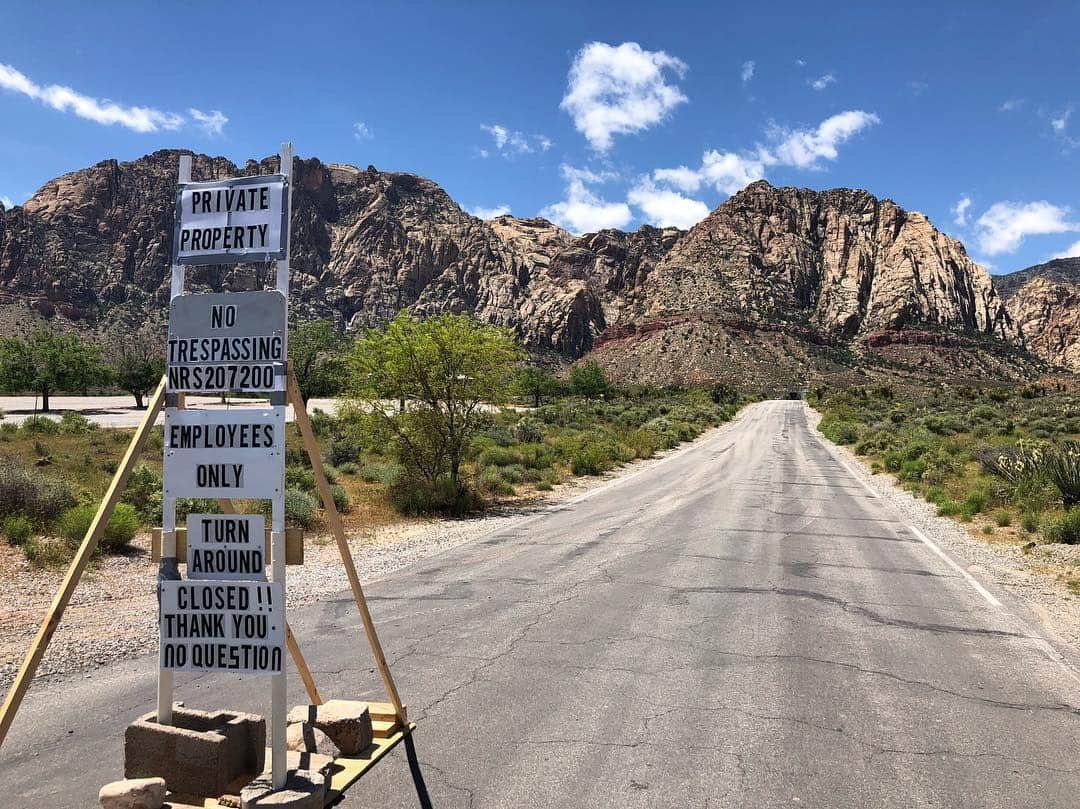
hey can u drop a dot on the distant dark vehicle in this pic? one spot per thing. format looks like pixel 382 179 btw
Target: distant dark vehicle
pixel 793 394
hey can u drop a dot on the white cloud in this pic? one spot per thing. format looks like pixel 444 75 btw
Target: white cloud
pixel 509 142
pixel 1072 251
pixel 212 123
pixel 1011 104
pixel 102 111
pixel 620 90
pixel 800 63
pixel 822 82
pixel 666 208
pixel 483 152
pixel 7 202
pixel 729 172
pixel 1003 227
pixel 1061 122
pixel 362 131
pixel 918 87
pixel 960 210
pixel 583 211
pixel 747 71
pixel 490 213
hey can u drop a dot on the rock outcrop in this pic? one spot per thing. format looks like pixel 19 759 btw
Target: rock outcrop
pixel 1044 301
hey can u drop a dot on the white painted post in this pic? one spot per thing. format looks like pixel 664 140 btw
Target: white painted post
pixel 279 708
pixel 168 504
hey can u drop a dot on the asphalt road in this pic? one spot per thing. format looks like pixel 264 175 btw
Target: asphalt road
pixel 742 625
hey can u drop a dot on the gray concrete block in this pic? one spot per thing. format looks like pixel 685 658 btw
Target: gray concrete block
pixel 201 753
pixel 304 789
pixel 346 722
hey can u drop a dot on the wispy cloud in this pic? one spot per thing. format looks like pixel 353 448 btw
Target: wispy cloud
pixel 747 71
pixel 917 87
pixel 490 213
pixel 106 112
pixel 1011 104
pixel 7 202
pixel 583 210
pixel 620 90
pixel 1005 225
pixel 960 210
pixel 822 82
pixel 362 131
pixel 1072 251
pixel 666 208
pixel 1059 124
pixel 510 142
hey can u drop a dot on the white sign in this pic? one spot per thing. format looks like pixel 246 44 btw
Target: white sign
pixel 221 626
pixel 228 221
pixel 226 546
pixel 225 453
pixel 226 342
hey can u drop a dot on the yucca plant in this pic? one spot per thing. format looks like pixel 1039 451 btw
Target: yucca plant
pixel 1063 468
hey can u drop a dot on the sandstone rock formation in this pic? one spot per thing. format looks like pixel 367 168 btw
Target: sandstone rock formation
pixel 1044 301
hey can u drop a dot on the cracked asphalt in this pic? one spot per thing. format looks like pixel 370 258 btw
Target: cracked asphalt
pixel 741 625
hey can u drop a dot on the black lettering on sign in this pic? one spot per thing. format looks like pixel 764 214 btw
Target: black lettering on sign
pixel 222 316
pixel 219 475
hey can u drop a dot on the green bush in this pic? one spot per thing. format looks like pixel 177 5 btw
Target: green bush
pixel 528 430
pixel 498 456
pixel 119 530
pixel 1065 528
pixel 39 498
pixel 195 505
pixel 343 449
pixel 47 551
pixel 342 502
pixel 17 529
pixel 143 491
pixel 912 471
pixel 299 508
pixel 349 468
pixel 1003 518
pixel 1029 521
pixel 384 473
pixel 839 432
pixel 40 425
pixel 491 480
pixel 72 423
pixel 948 507
pixel 413 496
pixel 591 459
pixel 644 442
pixel 297 477
pixel 1063 469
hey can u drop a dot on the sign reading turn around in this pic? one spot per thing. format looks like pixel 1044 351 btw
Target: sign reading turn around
pixel 226 546
pixel 224 221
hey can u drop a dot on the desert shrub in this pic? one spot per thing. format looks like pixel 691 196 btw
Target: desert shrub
pixel 1002 518
pixel 47 551
pixel 664 430
pixel 40 425
pixel 948 507
pixel 143 491
pixel 384 473
pixel 491 480
pixel 331 473
pixel 498 456
pixel 196 505
pixel 644 442
pixel 416 496
pixel 349 468
pixel 839 431
pixel 528 430
pixel 1063 469
pixel 39 498
pixel 1029 521
pixel 119 530
pixel 974 503
pixel 943 424
pixel 988 529
pixel 343 449
pixel 72 423
pixel 1064 528
pixel 299 507
pixel 912 471
pixel 499 434
pixel 536 456
pixel 16 529
pixel 592 458
pixel 322 423
pixel 342 501
pixel 296 477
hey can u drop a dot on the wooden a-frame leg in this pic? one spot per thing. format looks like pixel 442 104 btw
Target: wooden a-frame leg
pixel 78 565
pixel 338 530
pixel 290 639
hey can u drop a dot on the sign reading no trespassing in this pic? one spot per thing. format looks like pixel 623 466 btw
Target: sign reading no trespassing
pixel 226 546
pixel 226 342
pixel 225 453
pixel 221 626
pixel 227 221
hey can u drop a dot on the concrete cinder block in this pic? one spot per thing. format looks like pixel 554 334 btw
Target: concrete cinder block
pixel 346 722
pixel 304 789
pixel 200 754
pixel 135 793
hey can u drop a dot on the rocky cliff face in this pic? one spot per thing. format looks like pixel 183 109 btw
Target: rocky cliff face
pixel 824 269
pixel 841 262
pixel 1045 303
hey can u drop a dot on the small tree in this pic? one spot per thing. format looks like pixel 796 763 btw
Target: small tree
pixel 445 367
pixel 536 383
pixel 138 370
pixel 47 362
pixel 588 380
pixel 317 350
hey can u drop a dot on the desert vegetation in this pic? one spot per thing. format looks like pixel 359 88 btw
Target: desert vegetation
pixel 999 457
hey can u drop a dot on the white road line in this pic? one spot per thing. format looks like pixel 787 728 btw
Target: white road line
pixel 863 483
pixel 949 560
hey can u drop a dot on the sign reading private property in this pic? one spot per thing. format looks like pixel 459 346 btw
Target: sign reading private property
pixel 237 453
pixel 222 626
pixel 226 547
pixel 226 342
pixel 226 221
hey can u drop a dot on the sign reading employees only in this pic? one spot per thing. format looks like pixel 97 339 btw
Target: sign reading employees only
pixel 241 219
pixel 221 626
pixel 226 342
pixel 224 453
pixel 226 546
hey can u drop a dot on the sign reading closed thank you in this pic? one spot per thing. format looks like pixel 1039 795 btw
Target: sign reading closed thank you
pixel 221 626
pixel 229 220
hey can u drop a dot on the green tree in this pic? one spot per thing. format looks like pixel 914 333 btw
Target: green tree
pixel 317 350
pixel 138 370
pixel 588 380
pixel 536 383
pixel 445 368
pixel 47 362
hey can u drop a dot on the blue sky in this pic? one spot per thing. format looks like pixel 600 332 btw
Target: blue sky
pixel 593 114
